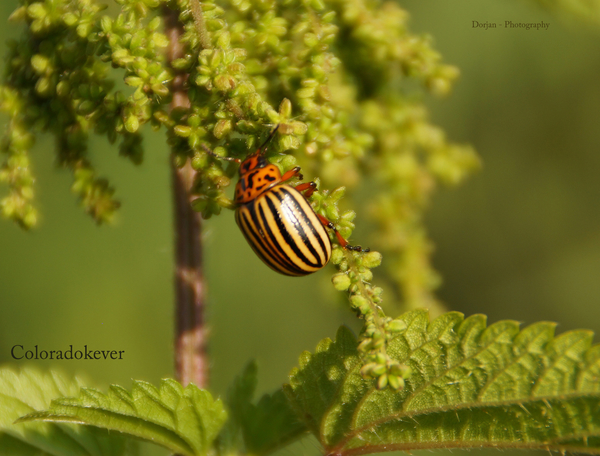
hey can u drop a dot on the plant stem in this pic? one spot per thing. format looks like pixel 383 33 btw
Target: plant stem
pixel 191 359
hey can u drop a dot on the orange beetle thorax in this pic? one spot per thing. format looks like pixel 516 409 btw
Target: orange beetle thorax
pixel 256 177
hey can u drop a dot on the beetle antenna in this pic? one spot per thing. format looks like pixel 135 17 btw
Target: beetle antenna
pixel 262 148
pixel 210 152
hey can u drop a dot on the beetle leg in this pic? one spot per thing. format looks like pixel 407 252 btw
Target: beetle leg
pixel 343 242
pixel 307 187
pixel 291 173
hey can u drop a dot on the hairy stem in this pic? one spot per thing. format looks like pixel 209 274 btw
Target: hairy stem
pixel 191 359
pixel 200 24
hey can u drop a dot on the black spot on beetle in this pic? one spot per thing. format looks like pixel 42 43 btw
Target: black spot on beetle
pixel 251 179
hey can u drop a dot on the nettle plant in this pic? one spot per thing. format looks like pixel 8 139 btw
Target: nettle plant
pixel 333 78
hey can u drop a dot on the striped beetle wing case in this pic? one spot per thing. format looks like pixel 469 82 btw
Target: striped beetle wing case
pixel 284 231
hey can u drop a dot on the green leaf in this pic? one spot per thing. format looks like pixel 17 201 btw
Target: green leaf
pixel 472 386
pixel 29 390
pixel 267 425
pixel 271 424
pixel 184 420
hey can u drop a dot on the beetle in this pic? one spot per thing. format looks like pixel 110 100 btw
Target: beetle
pixel 276 218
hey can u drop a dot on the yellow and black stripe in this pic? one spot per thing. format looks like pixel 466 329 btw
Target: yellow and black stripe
pixel 284 231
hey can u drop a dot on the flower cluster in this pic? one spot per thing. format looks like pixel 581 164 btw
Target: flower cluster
pixel 330 73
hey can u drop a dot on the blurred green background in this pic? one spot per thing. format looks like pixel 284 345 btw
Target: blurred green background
pixel 520 240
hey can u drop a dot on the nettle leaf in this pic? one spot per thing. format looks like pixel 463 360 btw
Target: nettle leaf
pixel 266 425
pixel 184 420
pixel 28 390
pixel 472 386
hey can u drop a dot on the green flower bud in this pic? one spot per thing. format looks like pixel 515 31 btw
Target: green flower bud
pixel 311 40
pixel 44 87
pixel 18 15
pixel 160 89
pixel 216 57
pixel 120 54
pixel 271 113
pixel 30 218
pixel 223 40
pixel 299 128
pixel 154 24
pixel 310 82
pixel 224 82
pixel 132 124
pixel 160 40
pixel 332 213
pixel 366 276
pixel 162 117
pixel 359 302
pixel 366 346
pixel 337 256
pixel 289 142
pixel 347 217
pixel 36 11
pixel 182 130
pixel 84 29
pixel 40 64
pixel 379 370
pixel 288 162
pixel 180 64
pixel 341 282
pixel 306 92
pixel 199 161
pixel 134 81
pixel 371 259
pixel 380 358
pixel 378 342
pixel 382 382
pixel 199 204
pixel 86 107
pixel 285 109
pixel 395 383
pixel 222 128
pixel 202 80
pixel 236 68
pixel 328 17
pixel 70 19
pixel 220 151
pixel 367 369
pixel 396 326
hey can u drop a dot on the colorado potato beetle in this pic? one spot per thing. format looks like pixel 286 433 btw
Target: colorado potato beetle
pixel 277 220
